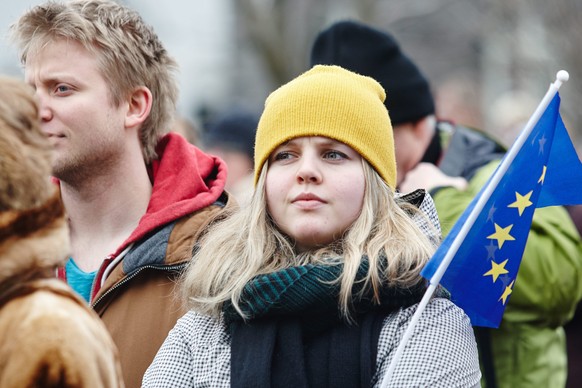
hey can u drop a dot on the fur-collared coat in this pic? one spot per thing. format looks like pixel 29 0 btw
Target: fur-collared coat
pixel 48 336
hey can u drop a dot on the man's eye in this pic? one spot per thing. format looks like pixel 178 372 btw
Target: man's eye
pixel 62 89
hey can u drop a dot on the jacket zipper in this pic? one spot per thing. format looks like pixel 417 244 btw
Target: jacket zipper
pixel 134 274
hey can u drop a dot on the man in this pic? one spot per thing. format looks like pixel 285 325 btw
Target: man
pixel 136 199
pixel 528 349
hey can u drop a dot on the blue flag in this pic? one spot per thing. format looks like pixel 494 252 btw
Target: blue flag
pixel 545 171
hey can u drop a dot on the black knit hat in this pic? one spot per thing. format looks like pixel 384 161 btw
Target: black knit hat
pixel 367 51
pixel 234 130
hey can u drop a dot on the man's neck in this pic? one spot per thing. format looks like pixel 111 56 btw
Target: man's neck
pixel 104 211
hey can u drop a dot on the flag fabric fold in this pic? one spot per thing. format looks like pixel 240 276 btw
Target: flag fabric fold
pixel 545 171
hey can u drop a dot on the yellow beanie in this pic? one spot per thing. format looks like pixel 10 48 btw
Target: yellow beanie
pixel 332 102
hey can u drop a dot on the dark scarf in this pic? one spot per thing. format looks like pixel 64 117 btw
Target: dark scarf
pixel 295 336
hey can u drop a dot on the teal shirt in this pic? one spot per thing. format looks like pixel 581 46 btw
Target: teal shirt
pixel 79 280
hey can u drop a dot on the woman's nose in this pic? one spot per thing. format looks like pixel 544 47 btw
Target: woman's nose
pixel 308 170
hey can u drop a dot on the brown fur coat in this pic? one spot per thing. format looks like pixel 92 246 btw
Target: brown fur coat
pixel 48 336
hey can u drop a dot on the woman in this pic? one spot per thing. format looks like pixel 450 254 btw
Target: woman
pixel 315 282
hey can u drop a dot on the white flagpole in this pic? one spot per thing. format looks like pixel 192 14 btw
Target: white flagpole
pixel 561 77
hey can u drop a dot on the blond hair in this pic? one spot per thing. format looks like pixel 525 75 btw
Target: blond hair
pixel 129 54
pixel 247 243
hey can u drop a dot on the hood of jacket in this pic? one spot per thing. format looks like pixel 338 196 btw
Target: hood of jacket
pixel 186 182
pixel 466 150
pixel 185 179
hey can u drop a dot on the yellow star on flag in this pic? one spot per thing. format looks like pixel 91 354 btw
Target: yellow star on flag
pixel 521 202
pixel 501 235
pixel 508 290
pixel 543 176
pixel 496 270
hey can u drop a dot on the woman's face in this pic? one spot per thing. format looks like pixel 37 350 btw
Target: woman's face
pixel 314 189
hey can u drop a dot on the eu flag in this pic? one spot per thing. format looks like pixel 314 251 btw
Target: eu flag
pixel 488 240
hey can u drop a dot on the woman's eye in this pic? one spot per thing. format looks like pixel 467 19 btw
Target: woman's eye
pixel 282 155
pixel 335 155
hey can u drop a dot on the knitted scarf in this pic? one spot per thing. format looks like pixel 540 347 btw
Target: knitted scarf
pixel 295 336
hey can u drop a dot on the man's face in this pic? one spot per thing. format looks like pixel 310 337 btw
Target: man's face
pixel 85 129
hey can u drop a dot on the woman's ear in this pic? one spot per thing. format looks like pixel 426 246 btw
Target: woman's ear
pixel 139 107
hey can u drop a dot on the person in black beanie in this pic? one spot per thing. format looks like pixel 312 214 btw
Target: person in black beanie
pixel 231 137
pixel 453 162
pixel 360 48
pixel 356 46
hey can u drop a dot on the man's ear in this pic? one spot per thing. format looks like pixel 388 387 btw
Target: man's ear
pixel 423 129
pixel 139 107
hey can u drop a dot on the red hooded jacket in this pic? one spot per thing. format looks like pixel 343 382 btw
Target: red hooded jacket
pixel 134 290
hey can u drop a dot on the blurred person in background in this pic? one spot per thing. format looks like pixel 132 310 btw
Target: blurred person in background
pixel 136 196
pixel 231 137
pixel 49 337
pixel 453 162
pixel 187 129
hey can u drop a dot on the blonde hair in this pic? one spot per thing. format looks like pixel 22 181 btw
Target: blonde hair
pixel 247 243
pixel 128 51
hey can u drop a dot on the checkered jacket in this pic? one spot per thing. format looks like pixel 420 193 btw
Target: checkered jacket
pixel 442 352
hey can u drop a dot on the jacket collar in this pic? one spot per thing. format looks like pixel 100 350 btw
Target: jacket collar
pixel 185 180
